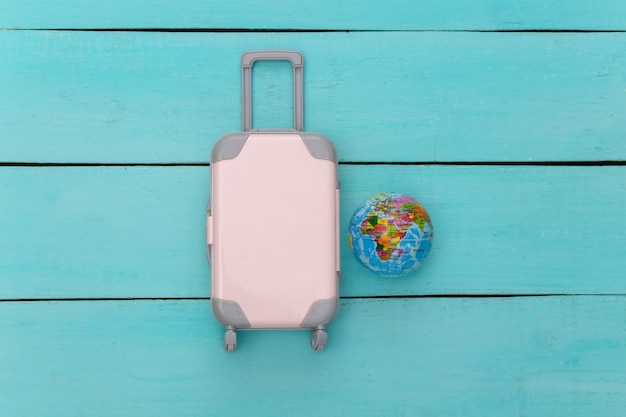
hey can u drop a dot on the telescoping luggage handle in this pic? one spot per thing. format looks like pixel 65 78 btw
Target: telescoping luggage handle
pixel 248 59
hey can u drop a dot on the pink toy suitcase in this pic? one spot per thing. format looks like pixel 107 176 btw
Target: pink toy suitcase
pixel 273 222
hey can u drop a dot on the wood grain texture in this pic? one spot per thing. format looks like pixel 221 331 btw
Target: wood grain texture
pixel 542 356
pixel 381 96
pixel 402 81
pixel 83 232
pixel 326 14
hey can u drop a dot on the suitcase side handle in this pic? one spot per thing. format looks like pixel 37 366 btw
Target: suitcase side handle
pixel 248 59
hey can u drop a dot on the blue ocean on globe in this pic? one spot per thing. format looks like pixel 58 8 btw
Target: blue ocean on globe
pixel 391 234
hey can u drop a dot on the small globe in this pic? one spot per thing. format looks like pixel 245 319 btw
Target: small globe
pixel 391 234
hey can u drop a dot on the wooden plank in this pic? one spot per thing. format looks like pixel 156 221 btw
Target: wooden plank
pixel 381 96
pixel 540 356
pixel 326 14
pixel 116 232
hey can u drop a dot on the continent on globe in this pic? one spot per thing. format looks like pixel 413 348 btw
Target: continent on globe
pixel 390 234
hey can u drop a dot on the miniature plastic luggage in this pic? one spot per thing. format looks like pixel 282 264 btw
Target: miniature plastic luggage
pixel 273 222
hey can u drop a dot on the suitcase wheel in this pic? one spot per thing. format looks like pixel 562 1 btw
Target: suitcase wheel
pixel 318 339
pixel 230 340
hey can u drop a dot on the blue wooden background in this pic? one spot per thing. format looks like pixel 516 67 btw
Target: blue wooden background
pixel 507 120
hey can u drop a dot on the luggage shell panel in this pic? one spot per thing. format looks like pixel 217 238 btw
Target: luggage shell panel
pixel 274 230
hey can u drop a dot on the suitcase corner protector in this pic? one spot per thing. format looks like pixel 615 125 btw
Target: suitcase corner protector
pixel 229 313
pixel 321 313
pixel 319 146
pixel 228 146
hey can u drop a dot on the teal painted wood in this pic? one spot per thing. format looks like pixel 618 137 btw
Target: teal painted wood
pixel 351 14
pixel 542 356
pixel 381 96
pixel 83 232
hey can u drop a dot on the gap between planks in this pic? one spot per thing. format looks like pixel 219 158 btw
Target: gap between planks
pixel 276 30
pixel 347 163
pixel 375 297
